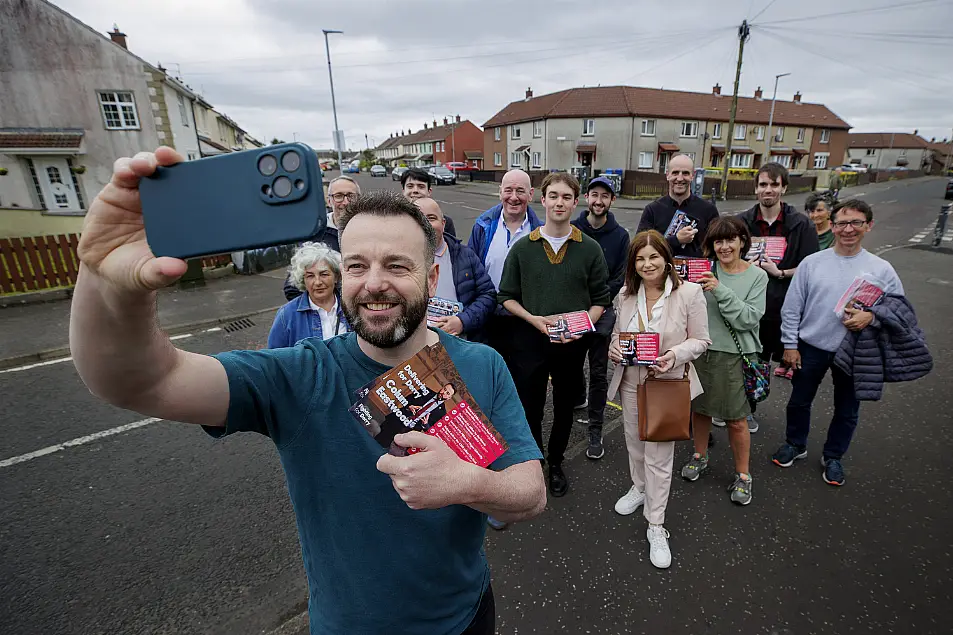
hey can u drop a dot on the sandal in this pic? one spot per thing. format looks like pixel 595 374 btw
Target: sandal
pixel 781 372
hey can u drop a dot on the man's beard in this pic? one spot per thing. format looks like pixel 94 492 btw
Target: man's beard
pixel 413 313
pixel 605 210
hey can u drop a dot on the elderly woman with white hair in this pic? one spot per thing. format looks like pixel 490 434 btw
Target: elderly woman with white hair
pixel 316 270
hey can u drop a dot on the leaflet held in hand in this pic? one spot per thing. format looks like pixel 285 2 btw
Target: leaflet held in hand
pixel 770 247
pixel 441 307
pixel 691 269
pixel 639 348
pixel 680 221
pixel 570 324
pixel 861 294
pixel 426 394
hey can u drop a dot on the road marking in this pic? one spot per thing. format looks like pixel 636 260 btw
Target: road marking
pixel 59 447
pixel 180 337
pixel 889 202
pixel 29 366
pixel 476 209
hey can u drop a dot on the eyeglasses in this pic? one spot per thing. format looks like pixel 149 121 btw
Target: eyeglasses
pixel 340 198
pixel 856 224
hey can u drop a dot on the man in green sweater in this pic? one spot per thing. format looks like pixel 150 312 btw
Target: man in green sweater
pixel 556 269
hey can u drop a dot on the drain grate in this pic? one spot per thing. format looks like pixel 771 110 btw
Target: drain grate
pixel 238 325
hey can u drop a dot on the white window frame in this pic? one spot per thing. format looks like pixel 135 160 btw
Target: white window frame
pixel 183 113
pixel 825 135
pixel 820 160
pixel 903 152
pixel 690 155
pixel 692 127
pixel 537 129
pixel 122 109
pixel 741 160
pixel 782 159
pixel 800 135
pixel 497 134
pixel 646 126
pixel 759 133
pixel 516 133
pixel 716 131
pixel 537 160
pixel 650 163
pixel 588 127
pixel 516 159
pixel 740 132
pixel 871 152
pixel 779 135
pixel 498 158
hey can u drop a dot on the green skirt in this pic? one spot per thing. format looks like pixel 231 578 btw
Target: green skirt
pixel 724 383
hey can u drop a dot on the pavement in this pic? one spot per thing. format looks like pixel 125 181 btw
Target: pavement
pixel 111 522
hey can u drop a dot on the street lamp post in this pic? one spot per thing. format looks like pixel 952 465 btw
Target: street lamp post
pixel 771 116
pixel 334 109
pixel 453 141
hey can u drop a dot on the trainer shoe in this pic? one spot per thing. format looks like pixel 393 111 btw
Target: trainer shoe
pixel 718 423
pixel 595 449
pixel 741 489
pixel 787 454
pixel 582 405
pixel 659 553
pixel 753 425
pixel 632 500
pixel 833 471
pixel 695 467
pixel 558 483
pixel 495 524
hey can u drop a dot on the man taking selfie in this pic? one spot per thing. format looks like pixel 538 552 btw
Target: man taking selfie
pixel 299 397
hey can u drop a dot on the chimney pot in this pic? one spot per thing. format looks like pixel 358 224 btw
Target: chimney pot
pixel 434 123
pixel 797 97
pixel 118 37
pixel 758 93
pixel 458 118
pixel 716 89
pixel 425 125
pixel 529 93
pixel 445 121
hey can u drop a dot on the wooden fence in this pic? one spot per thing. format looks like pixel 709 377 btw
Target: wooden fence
pixel 41 263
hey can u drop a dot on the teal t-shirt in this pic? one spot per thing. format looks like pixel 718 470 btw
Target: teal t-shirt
pixel 374 565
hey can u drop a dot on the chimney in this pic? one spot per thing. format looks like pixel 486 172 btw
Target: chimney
pixel 118 37
pixel 425 125
pixel 458 118
pixel 797 97
pixel 408 131
pixel 445 121
pixel 529 93
pixel 916 132
pixel 435 123
pixel 757 93
pixel 716 89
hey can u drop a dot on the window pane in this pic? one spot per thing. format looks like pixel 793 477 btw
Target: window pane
pixel 54 175
pixel 112 116
pixel 129 116
pixel 106 97
pixel 124 97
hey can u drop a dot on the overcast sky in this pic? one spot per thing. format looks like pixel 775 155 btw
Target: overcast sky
pixel 401 63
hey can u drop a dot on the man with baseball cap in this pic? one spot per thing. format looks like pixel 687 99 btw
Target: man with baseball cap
pixel 600 224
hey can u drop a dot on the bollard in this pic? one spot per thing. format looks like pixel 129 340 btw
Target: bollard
pixel 941 224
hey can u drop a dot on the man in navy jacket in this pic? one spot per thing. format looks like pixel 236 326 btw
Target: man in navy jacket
pixel 600 224
pixel 462 277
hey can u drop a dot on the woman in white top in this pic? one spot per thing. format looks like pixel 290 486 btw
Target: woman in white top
pixel 654 297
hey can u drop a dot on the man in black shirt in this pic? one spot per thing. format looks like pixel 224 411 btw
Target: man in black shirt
pixel 658 214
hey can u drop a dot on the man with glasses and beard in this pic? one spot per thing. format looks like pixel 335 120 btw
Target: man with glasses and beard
pixel 299 397
pixel 600 224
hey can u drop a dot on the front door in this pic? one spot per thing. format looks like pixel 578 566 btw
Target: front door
pixel 663 162
pixel 56 183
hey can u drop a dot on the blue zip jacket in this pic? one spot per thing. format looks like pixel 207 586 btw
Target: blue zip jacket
pixel 474 288
pixel 485 226
pixel 296 321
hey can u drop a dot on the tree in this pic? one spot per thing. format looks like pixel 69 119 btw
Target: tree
pixel 368 159
pixel 276 141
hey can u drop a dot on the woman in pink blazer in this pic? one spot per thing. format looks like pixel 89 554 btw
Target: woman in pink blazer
pixel 655 299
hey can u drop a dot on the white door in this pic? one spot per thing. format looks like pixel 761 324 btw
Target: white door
pixel 56 183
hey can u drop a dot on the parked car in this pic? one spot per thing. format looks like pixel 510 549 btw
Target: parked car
pixel 396 173
pixel 949 190
pixel 442 176
pixel 378 170
pixel 853 167
pixel 459 166
pixel 354 167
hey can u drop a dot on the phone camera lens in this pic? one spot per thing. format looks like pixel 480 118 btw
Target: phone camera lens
pixel 266 190
pixel 299 185
pixel 267 165
pixel 291 161
pixel 282 186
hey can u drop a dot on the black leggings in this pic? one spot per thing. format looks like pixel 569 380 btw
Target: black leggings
pixel 484 622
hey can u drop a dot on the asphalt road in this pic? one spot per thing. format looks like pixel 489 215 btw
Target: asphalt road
pixel 159 529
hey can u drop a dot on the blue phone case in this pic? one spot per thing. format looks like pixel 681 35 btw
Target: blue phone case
pixel 234 202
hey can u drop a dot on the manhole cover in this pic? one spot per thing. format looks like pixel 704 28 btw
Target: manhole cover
pixel 238 325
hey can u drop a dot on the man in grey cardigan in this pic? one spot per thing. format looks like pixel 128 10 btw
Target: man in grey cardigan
pixel 812 332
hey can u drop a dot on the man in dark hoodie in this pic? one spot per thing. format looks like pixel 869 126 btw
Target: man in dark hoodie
pixel 772 217
pixel 600 224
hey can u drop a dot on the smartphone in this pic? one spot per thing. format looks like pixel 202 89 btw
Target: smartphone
pixel 236 201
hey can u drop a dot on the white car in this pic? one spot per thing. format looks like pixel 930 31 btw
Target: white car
pixel 850 167
pixel 378 170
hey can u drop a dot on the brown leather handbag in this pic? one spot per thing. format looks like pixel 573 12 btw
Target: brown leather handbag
pixel 665 409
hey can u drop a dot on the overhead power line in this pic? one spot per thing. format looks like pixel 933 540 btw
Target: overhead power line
pixel 761 12
pixel 889 7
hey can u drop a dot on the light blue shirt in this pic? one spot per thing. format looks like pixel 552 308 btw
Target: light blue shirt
pixel 500 246
pixel 821 279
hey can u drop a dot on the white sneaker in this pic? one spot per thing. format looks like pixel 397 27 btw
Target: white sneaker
pixel 718 423
pixel 659 552
pixel 630 502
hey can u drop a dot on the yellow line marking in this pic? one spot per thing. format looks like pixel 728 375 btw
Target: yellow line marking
pixel 614 405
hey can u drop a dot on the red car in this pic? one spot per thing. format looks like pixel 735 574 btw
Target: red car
pixel 459 166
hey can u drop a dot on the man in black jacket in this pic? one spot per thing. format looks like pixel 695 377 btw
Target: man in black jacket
pixel 658 214
pixel 600 224
pixel 772 217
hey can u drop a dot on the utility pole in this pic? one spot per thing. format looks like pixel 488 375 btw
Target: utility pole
pixel 338 141
pixel 767 153
pixel 744 32
pixel 949 154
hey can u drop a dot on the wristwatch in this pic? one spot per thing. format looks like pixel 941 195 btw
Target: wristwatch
pixel 781 275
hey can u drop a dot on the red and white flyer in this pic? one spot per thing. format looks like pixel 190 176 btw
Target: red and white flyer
pixel 861 294
pixel 639 348
pixel 691 269
pixel 770 247
pixel 575 323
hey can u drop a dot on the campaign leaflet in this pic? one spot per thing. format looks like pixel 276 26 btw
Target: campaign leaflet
pixel 770 247
pixel 861 294
pixel 679 222
pixel 691 269
pixel 426 394
pixel 575 323
pixel 639 349
pixel 441 307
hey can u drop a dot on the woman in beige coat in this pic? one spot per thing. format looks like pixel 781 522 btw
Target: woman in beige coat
pixel 655 300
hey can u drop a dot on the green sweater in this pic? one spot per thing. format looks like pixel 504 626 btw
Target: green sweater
pixel 574 279
pixel 739 298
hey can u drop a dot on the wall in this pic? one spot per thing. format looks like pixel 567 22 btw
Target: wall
pixel 44 85
pixel 466 136
pixel 490 146
pixel 612 135
pixel 666 131
pixel 884 158
pixel 183 135
pixel 30 222
pixel 16 187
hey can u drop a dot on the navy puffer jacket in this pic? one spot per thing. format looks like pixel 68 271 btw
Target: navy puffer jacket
pixel 474 288
pixel 891 349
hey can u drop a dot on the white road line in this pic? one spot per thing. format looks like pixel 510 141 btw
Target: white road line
pixel 476 209
pixel 23 458
pixel 36 365
pixel 180 337
pixel 889 202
